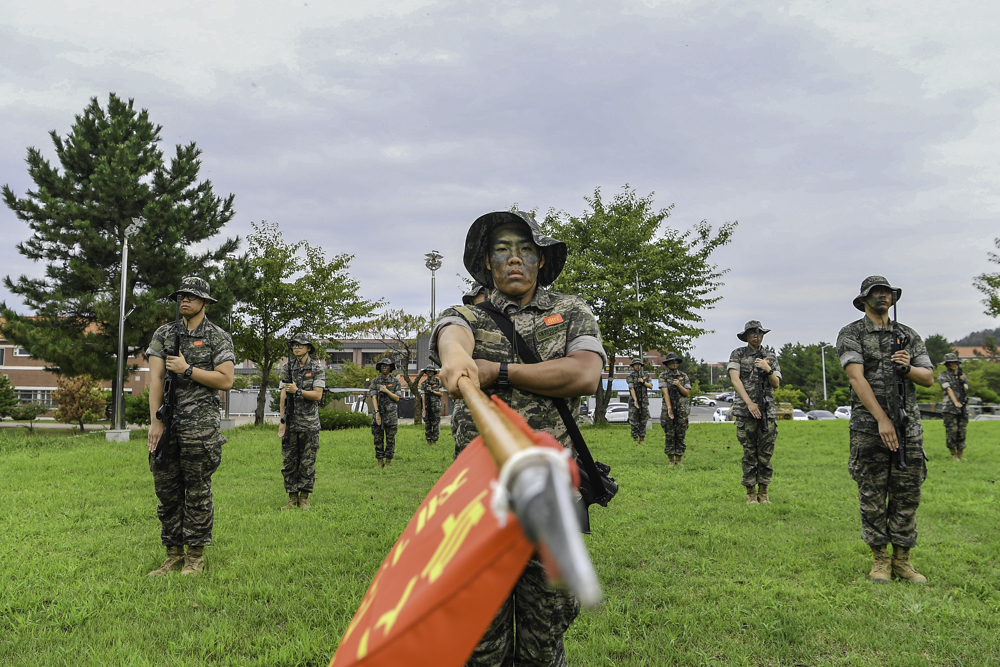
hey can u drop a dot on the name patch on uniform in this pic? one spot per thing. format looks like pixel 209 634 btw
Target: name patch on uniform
pixel 197 343
pixel 553 319
pixel 309 375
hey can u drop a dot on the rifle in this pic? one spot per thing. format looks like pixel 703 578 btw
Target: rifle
pixel 762 388
pixel 898 395
pixel 165 413
pixel 965 397
pixel 289 398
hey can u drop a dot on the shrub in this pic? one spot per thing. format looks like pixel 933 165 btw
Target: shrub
pixel 80 400
pixel 137 407
pixel 331 419
pixel 28 412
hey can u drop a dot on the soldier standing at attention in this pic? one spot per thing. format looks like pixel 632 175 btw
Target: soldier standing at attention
pixel 460 418
pixel 638 382
pixel 433 393
pixel 956 415
pixel 675 386
pixel 299 447
pixel 383 395
pixel 746 367
pixel 508 252
pixel 205 365
pixel 889 497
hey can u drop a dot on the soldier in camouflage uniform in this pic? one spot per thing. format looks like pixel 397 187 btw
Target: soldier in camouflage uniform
pixel 507 252
pixel 675 386
pixel 433 393
pixel 639 382
pixel 956 415
pixel 383 395
pixel 460 418
pixel 204 366
pixel 888 496
pixel 746 366
pixel 302 382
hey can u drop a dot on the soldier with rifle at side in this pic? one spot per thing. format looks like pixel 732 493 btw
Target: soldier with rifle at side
pixel 955 405
pixel 196 360
pixel 433 393
pixel 639 383
pixel 302 382
pixel 384 393
pixel 675 385
pixel 884 360
pixel 755 374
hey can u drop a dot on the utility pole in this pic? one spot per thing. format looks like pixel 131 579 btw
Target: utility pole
pixel 822 354
pixel 639 301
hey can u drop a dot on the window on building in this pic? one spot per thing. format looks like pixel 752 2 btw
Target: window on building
pixel 368 358
pixel 41 396
pixel 349 399
pixel 21 352
pixel 2 355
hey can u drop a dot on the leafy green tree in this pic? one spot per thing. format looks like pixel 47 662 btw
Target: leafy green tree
pixel 80 400
pixel 802 368
pixel 937 347
pixel 616 244
pixel 351 376
pixel 292 287
pixel 989 285
pixel 110 170
pixel 789 394
pixel 8 397
pixel 137 407
pixel 28 412
pixel 241 382
pixel 400 331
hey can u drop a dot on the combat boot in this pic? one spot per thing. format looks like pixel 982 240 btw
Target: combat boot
pixel 635 440
pixel 293 501
pixel 380 463
pixel 174 561
pixel 752 496
pixel 194 561
pixel 642 441
pixel 881 573
pixel 677 461
pixel 388 462
pixel 762 495
pixel 955 456
pixel 303 500
pixel 961 455
pixel 902 566
pixel 671 459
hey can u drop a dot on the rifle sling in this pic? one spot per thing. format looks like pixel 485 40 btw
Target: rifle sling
pixel 527 356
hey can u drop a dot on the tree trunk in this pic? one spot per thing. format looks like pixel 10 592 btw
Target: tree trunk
pixel 258 415
pixel 418 400
pixel 604 397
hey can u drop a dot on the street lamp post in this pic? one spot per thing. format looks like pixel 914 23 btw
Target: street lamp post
pixel 639 311
pixel 433 263
pixel 117 413
pixel 822 354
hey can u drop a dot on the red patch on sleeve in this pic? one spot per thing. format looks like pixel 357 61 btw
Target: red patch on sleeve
pixel 553 319
pixel 197 343
pixel 309 375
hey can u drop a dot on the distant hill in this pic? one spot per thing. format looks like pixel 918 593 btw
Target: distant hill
pixel 978 338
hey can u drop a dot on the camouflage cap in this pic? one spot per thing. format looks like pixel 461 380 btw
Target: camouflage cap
pixel 386 361
pixel 875 281
pixel 303 338
pixel 671 357
pixel 469 298
pixel 477 243
pixel 951 358
pixel 197 286
pixel 635 361
pixel 752 324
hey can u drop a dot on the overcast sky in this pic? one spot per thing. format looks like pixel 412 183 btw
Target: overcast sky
pixel 847 138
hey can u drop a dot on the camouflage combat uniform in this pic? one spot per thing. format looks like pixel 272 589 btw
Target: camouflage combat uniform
pixel 184 484
pixel 432 420
pixel 758 446
pixel 888 497
pixel 675 429
pixel 638 411
pixel 301 441
pixel 553 325
pixel 955 419
pixel 385 433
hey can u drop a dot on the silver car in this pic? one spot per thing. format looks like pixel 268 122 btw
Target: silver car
pixel 617 413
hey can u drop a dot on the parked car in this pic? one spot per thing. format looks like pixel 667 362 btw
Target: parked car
pixel 843 412
pixel 799 415
pixel 720 414
pixel 727 396
pixel 820 415
pixel 617 413
pixel 702 400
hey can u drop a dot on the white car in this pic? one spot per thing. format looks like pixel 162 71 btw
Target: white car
pixel 703 400
pixel 843 412
pixel 617 413
pixel 799 415
pixel 720 414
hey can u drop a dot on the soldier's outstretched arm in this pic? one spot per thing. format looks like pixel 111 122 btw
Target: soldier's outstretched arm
pixel 886 427
pixel 576 374
pixel 455 345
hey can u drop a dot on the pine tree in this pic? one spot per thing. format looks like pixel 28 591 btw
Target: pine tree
pixel 110 170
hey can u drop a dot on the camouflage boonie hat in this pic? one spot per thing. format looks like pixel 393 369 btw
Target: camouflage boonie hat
pixel 469 297
pixel 671 357
pixel 951 358
pixel 432 369
pixel 477 243
pixel 303 338
pixel 875 281
pixel 752 324
pixel 197 286
pixel 385 361
pixel 635 361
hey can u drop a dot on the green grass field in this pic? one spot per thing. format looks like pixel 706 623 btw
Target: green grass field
pixel 692 575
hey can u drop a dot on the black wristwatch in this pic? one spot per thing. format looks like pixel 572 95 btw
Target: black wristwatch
pixel 190 369
pixel 298 393
pixel 502 379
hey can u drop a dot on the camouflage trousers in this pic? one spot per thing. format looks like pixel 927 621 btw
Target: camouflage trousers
pixel 638 415
pixel 298 458
pixel 461 422
pixel 889 498
pixel 758 448
pixel 529 628
pixel 385 438
pixel 674 431
pixel 432 424
pixel 954 431
pixel 184 488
